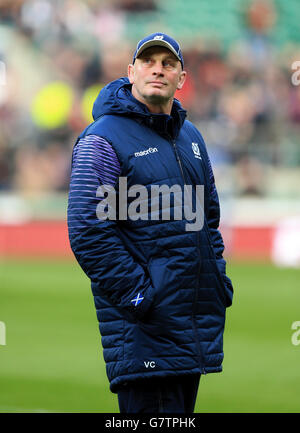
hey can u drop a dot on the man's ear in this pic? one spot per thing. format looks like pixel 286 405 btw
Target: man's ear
pixel 130 73
pixel 181 80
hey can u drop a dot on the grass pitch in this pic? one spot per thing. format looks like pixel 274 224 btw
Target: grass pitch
pixel 52 360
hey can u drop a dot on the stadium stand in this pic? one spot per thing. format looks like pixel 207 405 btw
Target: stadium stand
pixel 239 56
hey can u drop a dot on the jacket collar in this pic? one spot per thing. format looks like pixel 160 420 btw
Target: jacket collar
pixel 116 98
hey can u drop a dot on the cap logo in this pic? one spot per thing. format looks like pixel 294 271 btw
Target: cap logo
pixel 159 37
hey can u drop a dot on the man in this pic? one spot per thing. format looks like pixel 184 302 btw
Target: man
pixel 159 282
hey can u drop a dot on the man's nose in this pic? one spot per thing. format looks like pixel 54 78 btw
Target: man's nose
pixel 158 69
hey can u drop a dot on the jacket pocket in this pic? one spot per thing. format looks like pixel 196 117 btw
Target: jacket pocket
pixel 223 291
pixel 165 285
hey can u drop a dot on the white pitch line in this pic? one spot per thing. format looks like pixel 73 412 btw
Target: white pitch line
pixel 4 409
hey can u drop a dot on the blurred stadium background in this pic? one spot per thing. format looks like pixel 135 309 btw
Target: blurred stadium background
pixel 55 56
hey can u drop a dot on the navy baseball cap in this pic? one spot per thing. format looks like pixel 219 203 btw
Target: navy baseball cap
pixel 159 39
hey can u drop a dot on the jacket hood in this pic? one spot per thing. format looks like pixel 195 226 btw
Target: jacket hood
pixel 116 98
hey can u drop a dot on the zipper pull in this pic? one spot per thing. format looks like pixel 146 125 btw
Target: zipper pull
pixel 175 150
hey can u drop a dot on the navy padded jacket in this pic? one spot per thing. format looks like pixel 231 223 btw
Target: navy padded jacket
pixel 160 291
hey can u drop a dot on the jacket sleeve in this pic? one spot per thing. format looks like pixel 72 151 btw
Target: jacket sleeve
pixel 95 242
pixel 213 221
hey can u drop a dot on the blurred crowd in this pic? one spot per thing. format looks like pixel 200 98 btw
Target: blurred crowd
pixel 55 56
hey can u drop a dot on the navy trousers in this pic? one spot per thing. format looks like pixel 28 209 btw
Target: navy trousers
pixel 162 395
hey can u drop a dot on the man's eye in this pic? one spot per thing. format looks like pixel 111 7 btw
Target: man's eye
pixel 169 64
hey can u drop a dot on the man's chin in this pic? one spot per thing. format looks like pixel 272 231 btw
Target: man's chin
pixel 156 99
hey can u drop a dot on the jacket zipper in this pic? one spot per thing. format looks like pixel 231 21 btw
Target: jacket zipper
pixel 196 295
pixel 179 161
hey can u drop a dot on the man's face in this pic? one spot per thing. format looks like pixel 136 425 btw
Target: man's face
pixel 155 76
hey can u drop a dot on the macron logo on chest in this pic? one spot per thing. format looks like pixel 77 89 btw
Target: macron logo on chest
pixel 146 152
